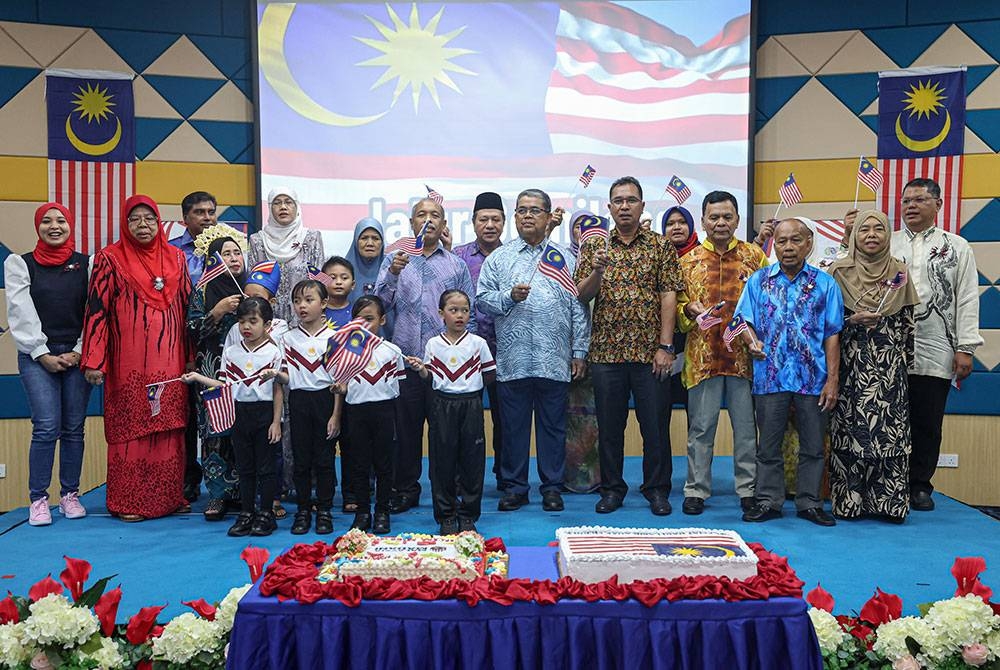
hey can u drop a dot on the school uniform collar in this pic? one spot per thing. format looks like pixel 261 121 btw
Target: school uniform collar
pixel 444 336
pixel 260 346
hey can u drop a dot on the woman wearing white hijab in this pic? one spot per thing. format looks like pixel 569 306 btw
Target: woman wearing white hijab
pixel 285 240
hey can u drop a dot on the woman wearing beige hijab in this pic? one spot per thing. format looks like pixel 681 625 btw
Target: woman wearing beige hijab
pixel 870 429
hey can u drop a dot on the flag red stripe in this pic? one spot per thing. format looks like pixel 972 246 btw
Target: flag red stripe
pixel 643 134
pixel 588 86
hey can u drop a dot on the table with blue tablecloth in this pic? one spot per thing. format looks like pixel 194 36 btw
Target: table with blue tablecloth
pixel 397 634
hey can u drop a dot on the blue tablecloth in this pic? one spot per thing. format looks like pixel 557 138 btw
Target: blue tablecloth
pixel 394 635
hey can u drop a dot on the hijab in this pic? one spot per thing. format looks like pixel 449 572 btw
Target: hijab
pixel 864 277
pixel 223 286
pixel 574 246
pixel 365 271
pixel 283 242
pixel 141 263
pixel 46 254
pixel 692 240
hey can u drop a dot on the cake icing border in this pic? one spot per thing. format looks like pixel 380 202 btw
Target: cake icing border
pixel 749 556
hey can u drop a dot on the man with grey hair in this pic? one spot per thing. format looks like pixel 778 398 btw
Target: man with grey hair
pixel 542 336
pixel 410 286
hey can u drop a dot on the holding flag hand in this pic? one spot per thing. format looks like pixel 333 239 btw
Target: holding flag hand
pixel 754 346
pixel 849 218
pixel 865 318
pixel 399 261
pixel 417 364
pixel 225 306
pixel 520 292
pixel 766 232
pixel 555 219
pixel 601 260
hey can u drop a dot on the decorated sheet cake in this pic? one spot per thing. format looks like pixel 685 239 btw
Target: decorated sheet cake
pixel 411 556
pixel 596 553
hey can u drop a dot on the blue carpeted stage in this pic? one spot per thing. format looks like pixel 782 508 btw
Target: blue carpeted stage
pixel 184 557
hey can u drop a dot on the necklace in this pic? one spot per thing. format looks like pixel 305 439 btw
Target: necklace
pixel 159 283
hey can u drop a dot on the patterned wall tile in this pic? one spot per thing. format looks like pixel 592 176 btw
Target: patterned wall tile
pixel 185 144
pixel 184 59
pixel 228 104
pixel 12 54
pixel 774 60
pixel 859 55
pixel 23 131
pixel 90 52
pixel 43 43
pixel 814 50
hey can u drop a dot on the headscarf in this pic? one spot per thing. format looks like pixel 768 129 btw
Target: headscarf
pixel 864 277
pixel 692 240
pixel 365 272
pixel 574 246
pixel 223 286
pixel 141 263
pixel 283 242
pixel 46 254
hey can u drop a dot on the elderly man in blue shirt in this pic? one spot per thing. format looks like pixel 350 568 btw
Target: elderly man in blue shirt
pixel 543 335
pixel 795 313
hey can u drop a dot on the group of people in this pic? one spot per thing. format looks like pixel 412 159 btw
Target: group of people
pixel 866 350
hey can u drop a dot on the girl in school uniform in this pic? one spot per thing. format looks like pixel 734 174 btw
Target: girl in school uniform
pixel 371 420
pixel 314 411
pixel 251 367
pixel 459 363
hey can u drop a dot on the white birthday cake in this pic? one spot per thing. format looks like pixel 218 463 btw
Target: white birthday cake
pixel 597 553
pixel 411 556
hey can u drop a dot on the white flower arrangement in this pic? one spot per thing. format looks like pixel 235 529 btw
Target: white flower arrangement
pixel 107 657
pixel 828 630
pixel 54 621
pixel 959 622
pixel 226 612
pixel 890 641
pixel 14 649
pixel 186 636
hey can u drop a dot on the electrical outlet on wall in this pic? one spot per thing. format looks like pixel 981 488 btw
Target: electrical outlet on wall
pixel 948 461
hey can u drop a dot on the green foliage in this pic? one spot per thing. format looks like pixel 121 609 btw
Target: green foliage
pixel 90 597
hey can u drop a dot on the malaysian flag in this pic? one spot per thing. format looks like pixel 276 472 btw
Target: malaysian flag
pixel 553 265
pixel 215 266
pixel 594 226
pixel 346 358
pixel 678 189
pixel 654 544
pixel 789 192
pixel 153 394
pixel 735 327
pixel 831 229
pixel 894 284
pixel 869 175
pixel 434 195
pixel 219 407
pixel 414 246
pixel 707 319
pixel 91 128
pixel 314 273
pixel 587 176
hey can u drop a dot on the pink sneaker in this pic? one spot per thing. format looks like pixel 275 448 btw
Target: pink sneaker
pixel 71 508
pixel 39 514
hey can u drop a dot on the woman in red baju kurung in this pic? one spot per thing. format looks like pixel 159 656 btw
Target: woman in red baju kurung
pixel 134 335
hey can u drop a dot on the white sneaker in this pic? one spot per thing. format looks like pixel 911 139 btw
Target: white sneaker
pixel 70 506
pixel 39 514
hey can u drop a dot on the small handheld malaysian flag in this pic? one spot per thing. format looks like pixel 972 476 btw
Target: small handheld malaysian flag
pixel 587 176
pixel 316 274
pixel 153 393
pixel 215 266
pixel 789 192
pixel 434 195
pixel 707 319
pixel 414 246
pixel 894 284
pixel 594 226
pixel 553 266
pixel 735 327
pixel 869 175
pixel 346 358
pixel 678 189
pixel 220 408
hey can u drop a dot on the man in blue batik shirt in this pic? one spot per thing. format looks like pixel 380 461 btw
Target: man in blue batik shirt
pixel 795 313
pixel 199 211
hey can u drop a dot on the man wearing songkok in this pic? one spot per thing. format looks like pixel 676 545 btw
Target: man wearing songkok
pixel 794 313
pixel 410 286
pixel 944 271
pixel 487 222
pixel 715 273
pixel 542 340
pixel 634 277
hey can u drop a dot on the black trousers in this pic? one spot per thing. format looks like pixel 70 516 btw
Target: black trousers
pixel 497 444
pixel 372 427
pixel 928 396
pixel 411 413
pixel 254 454
pixel 312 452
pixel 457 449
pixel 192 468
pixel 346 454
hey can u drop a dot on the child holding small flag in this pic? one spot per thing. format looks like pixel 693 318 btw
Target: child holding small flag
pixel 459 364
pixel 250 367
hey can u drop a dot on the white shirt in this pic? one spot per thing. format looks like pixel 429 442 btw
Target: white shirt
pixel 380 378
pixel 458 367
pixel 943 269
pixel 304 359
pixel 240 362
pixel 278 328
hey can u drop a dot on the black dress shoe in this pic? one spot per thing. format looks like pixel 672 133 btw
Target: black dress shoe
pixel 302 522
pixel 324 522
pixel 552 501
pixel 747 503
pixel 466 526
pixel 817 516
pixel 362 520
pixel 693 505
pixel 243 525
pixel 401 504
pixel 381 525
pixel 263 524
pixel 512 501
pixel 449 526
pixel 659 505
pixel 608 503
pixel 761 511
pixel 921 501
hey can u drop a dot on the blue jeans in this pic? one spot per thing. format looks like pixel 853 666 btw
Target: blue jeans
pixel 547 399
pixel 58 404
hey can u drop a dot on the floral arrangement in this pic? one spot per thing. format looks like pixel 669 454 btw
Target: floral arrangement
pixel 49 631
pixel 954 634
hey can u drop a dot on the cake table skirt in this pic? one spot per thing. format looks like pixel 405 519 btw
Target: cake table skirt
pixel 770 634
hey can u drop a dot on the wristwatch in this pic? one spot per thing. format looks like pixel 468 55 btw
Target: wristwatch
pixel 669 348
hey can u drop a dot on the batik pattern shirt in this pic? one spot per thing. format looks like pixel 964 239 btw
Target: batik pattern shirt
pixel 474 258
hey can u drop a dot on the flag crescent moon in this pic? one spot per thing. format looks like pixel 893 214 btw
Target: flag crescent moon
pixel 729 553
pixel 93 149
pixel 273 25
pixel 923 145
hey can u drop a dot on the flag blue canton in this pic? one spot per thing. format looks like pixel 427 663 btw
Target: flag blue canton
pixel 90 119
pixel 921 115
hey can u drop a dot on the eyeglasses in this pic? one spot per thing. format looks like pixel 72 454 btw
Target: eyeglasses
pixel 631 201
pixel 282 202
pixel 534 211
pixel 148 220
pixel 916 201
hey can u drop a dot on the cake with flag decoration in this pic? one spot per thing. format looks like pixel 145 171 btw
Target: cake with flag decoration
pixel 597 553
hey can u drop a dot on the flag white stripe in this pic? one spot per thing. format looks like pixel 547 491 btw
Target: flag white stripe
pixel 732 153
pixel 627 81
pixel 573 103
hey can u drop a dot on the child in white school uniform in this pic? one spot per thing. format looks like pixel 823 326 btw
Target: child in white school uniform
pixel 459 363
